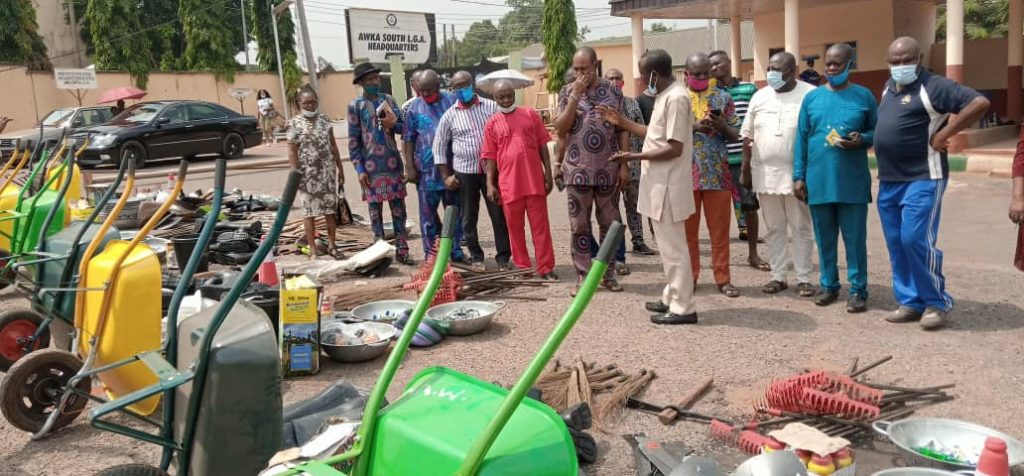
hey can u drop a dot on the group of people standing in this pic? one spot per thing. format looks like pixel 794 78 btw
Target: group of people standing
pixel 796 152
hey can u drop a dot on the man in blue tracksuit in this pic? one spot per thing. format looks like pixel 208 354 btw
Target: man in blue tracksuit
pixel 911 138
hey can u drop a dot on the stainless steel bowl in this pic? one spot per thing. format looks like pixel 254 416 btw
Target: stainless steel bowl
pixel 916 471
pixel 358 352
pixel 382 311
pixel 464 327
pixel 776 463
pixel 917 432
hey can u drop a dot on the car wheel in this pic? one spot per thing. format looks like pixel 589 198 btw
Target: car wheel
pixel 136 152
pixel 233 146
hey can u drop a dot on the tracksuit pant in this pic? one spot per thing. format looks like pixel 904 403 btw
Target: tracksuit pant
pixel 430 221
pixel 910 222
pixel 534 207
pixel 850 220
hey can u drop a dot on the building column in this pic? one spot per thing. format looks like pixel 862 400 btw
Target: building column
pixel 1015 53
pixel 735 45
pixel 637 24
pixel 955 40
pixel 792 27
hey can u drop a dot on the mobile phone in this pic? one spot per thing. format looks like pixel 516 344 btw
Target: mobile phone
pixel 716 112
pixel 560 183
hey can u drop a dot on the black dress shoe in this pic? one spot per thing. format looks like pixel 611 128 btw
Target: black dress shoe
pixel 856 304
pixel 826 297
pixel 643 249
pixel 656 306
pixel 674 319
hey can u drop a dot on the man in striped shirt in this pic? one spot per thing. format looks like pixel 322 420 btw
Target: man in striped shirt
pixel 744 201
pixel 461 130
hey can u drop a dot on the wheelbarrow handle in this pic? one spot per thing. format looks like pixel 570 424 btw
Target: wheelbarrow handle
pixel 451 216
pixel 611 242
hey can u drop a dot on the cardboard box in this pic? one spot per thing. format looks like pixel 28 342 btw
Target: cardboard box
pixel 299 334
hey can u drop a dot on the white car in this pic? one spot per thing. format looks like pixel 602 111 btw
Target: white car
pixel 54 124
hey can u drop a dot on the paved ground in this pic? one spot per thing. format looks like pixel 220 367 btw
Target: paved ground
pixel 742 342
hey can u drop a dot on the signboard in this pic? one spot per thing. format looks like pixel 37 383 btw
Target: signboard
pixel 239 93
pixel 70 78
pixel 375 34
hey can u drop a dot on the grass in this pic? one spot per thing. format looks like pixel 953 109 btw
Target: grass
pixel 957 163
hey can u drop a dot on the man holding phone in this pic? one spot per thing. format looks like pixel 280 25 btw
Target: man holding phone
pixel 836 126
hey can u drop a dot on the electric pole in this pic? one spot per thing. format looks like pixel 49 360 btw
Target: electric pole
pixel 311 65
pixel 245 35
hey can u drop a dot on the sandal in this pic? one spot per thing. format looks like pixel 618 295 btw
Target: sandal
pixel 611 285
pixel 334 253
pixel 760 265
pixel 729 290
pixel 622 270
pixel 805 290
pixel 774 286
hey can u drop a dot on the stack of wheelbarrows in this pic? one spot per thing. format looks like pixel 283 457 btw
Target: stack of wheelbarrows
pixel 215 379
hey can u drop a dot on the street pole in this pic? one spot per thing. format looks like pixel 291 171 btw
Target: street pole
pixel 280 69
pixel 307 47
pixel 245 35
pixel 77 38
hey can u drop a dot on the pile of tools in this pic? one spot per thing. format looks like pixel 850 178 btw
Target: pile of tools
pixel 605 388
pixel 485 284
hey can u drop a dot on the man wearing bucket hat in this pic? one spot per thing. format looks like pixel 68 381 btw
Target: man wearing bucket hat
pixel 373 120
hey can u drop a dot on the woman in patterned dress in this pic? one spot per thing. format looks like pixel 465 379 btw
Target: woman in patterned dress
pixel 313 150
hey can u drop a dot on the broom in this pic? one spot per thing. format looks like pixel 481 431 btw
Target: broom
pixel 617 398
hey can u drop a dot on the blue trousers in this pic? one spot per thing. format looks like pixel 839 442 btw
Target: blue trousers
pixel 850 220
pixel 910 222
pixel 430 221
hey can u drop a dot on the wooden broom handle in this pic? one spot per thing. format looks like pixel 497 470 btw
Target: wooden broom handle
pixel 669 415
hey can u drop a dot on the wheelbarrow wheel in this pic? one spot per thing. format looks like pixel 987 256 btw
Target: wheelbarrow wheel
pixel 133 469
pixel 16 328
pixel 33 387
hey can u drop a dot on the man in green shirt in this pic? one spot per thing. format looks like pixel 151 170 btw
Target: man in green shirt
pixel 744 201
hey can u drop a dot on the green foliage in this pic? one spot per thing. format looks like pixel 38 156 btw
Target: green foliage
pixel 160 19
pixel 982 19
pixel 519 26
pixel 211 38
pixel 483 40
pixel 559 27
pixel 659 28
pixel 261 27
pixel 20 42
pixel 117 44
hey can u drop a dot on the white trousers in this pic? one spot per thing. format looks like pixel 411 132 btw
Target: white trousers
pixel 784 216
pixel 675 257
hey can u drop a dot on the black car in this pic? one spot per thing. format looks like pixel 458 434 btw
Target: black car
pixel 168 129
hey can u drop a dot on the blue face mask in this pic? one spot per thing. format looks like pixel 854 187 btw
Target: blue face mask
pixel 371 89
pixel 466 94
pixel 839 79
pixel 903 74
pixel 775 80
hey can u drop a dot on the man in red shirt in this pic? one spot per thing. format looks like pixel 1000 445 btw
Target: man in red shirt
pixel 515 154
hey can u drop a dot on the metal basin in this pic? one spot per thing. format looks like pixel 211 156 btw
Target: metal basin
pixel 969 437
pixel 382 311
pixel 448 316
pixel 356 352
pixel 915 471
pixel 776 463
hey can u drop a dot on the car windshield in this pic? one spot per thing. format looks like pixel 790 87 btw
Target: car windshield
pixel 138 113
pixel 55 118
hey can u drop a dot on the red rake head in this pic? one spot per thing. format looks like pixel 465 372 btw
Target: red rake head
pixel 752 442
pixel 722 431
pixel 836 404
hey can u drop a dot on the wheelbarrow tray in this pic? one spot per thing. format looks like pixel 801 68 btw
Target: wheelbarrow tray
pixel 33 218
pixel 430 429
pixel 134 321
pixel 8 203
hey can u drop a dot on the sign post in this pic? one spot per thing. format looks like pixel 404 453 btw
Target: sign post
pixel 377 34
pixel 75 80
pixel 240 94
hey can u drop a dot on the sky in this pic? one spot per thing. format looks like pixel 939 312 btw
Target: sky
pixel 327 19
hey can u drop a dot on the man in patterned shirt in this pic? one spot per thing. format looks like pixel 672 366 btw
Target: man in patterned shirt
pixel 743 200
pixel 714 124
pixel 421 120
pixel 591 179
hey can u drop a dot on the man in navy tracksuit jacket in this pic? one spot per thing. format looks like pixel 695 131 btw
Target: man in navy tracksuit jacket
pixel 911 138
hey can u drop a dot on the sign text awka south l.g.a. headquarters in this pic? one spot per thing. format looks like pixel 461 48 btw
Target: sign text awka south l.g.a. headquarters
pixel 393 42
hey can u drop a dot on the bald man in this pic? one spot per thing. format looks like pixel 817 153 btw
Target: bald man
pixel 914 127
pixel 830 172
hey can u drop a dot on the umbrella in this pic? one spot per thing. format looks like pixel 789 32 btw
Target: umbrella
pixel 119 93
pixel 517 79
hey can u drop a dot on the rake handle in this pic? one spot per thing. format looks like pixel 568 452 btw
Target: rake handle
pixel 670 414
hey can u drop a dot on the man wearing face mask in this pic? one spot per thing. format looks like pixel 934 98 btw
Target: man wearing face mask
pixel 769 133
pixel 914 127
pixel 515 154
pixel 715 124
pixel 666 175
pixel 591 180
pixel 373 121
pixel 830 172
pixel 421 119
pixel 461 130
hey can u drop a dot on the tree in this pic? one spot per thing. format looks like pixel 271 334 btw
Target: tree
pixel 114 27
pixel 519 27
pixel 160 19
pixel 483 40
pixel 559 27
pixel 211 39
pixel 263 31
pixel 659 27
pixel 20 42
pixel 982 19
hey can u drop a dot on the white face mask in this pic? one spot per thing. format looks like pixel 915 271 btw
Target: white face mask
pixel 310 114
pixel 507 110
pixel 652 88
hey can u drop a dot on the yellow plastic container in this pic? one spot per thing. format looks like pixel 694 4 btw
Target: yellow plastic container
pixel 132 323
pixel 8 200
pixel 74 189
